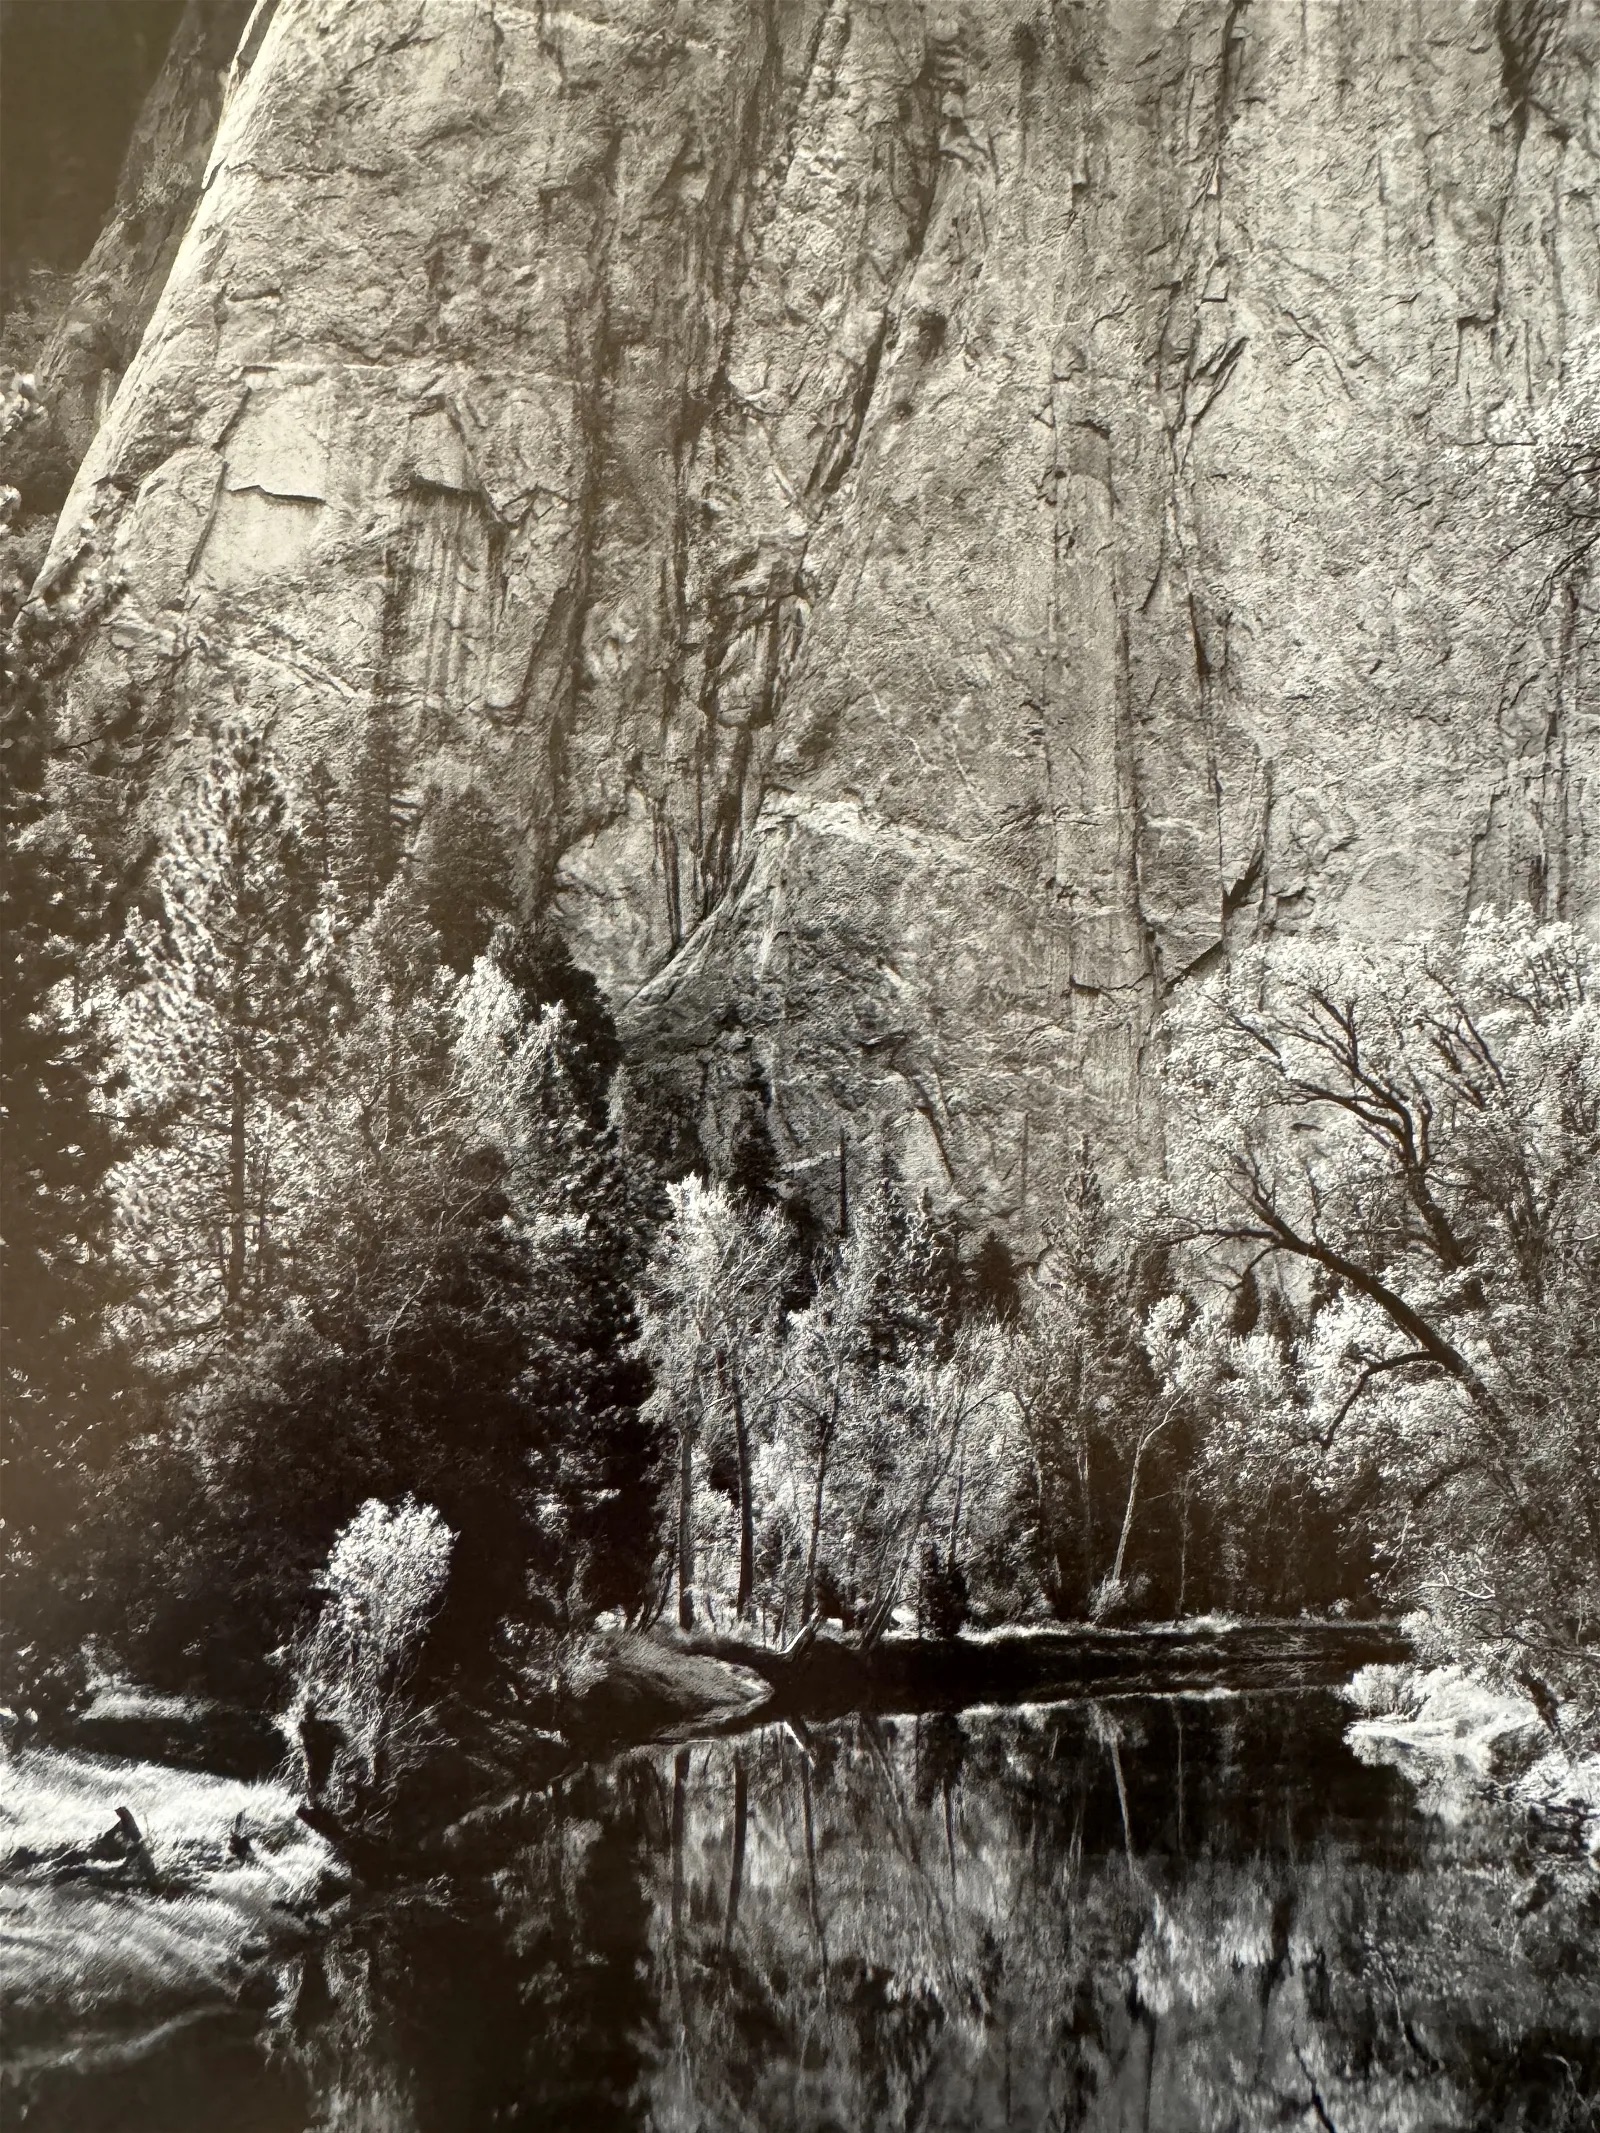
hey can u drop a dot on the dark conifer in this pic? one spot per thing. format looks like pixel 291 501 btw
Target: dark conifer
pixel 992 1285
pixel 538 962
pixel 378 821
pixel 584 1376
pixel 464 875
pixel 60 1378
pixel 754 1174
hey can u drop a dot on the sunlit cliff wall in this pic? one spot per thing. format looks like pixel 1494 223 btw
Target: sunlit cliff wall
pixel 926 524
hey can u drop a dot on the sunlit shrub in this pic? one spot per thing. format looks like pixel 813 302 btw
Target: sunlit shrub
pixel 384 1580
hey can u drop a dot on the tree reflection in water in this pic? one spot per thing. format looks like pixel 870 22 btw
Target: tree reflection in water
pixel 1156 1914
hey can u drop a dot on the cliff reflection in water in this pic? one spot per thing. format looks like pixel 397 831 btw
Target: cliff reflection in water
pixel 1162 1914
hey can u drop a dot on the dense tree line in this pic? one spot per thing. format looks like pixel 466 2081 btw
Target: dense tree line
pixel 1410 1134
pixel 64 1384
pixel 322 1178
pixel 321 1192
pixel 914 1439
pixel 1341 1355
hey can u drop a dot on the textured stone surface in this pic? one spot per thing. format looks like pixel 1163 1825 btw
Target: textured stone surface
pixel 73 77
pixel 111 110
pixel 118 286
pixel 924 523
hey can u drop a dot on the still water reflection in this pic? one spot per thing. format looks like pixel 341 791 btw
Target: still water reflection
pixel 1159 1914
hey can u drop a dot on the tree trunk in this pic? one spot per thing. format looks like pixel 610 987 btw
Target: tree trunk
pixel 685 1531
pixel 1086 1498
pixel 237 1211
pixel 1127 1516
pixel 955 1515
pixel 747 1509
pixel 741 1818
pixel 1183 1550
pixel 808 1598
pixel 680 1800
pixel 809 1824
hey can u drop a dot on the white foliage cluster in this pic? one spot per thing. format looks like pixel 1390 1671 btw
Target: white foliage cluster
pixel 1565 481
pixel 711 1294
pixel 511 1080
pixel 1416 1127
pixel 385 1576
pixel 855 1456
pixel 1422 1106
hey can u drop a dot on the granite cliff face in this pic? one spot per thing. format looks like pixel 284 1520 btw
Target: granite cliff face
pixel 926 524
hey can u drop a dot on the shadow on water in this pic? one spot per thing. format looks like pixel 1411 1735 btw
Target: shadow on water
pixel 1163 1913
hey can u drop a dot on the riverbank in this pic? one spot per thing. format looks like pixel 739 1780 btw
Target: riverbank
pixel 828 1676
pixel 1231 1905
pixel 623 1689
pixel 135 1890
pixel 135 1893
pixel 1455 1737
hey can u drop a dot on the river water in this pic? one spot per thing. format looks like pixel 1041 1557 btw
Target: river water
pixel 1152 1914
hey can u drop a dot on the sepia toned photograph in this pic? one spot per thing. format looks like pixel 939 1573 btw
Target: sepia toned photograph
pixel 800 1066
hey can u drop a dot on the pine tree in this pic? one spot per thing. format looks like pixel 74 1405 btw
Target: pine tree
pixel 377 816
pixel 464 876
pixel 59 1375
pixel 219 1042
pixel 754 1175
pixel 539 964
pixel 325 831
pixel 909 1264
pixel 1082 1379
pixel 991 1282
pixel 389 1363
pixel 586 1384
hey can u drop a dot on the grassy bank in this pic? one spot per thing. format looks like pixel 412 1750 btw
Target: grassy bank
pixel 102 1935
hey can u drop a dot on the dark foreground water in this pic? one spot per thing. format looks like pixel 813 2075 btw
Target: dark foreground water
pixel 1152 1914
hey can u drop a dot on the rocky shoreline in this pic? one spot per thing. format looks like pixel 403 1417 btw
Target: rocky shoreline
pixel 1456 1738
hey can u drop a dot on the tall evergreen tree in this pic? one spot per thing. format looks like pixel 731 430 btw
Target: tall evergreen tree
pixel 538 963
pixel 60 1377
pixel 712 1294
pixel 586 1378
pixel 754 1175
pixel 910 1268
pixel 464 875
pixel 377 820
pixel 219 1042
pixel 991 1281
pixel 325 829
